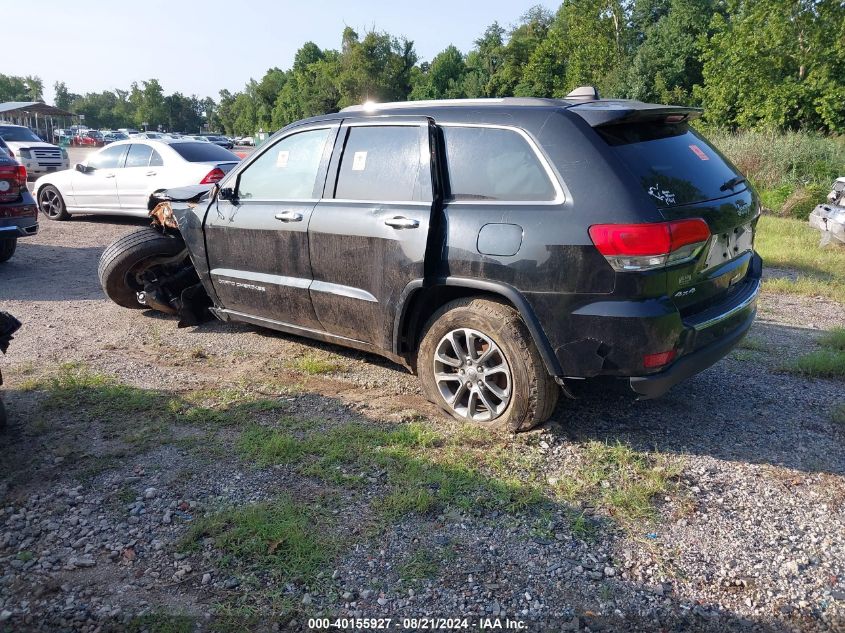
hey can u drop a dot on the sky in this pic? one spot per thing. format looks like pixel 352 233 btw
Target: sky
pixel 201 46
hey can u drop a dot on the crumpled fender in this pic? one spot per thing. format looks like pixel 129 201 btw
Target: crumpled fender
pixel 183 210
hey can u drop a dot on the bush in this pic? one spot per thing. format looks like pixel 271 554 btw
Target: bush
pixel 792 171
pixel 803 200
pixel 773 159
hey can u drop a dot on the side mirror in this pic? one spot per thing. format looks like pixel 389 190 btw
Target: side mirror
pixel 226 193
pixel 83 168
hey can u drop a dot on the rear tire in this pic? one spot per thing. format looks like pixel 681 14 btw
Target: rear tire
pixel 7 248
pixel 126 255
pixel 521 396
pixel 52 204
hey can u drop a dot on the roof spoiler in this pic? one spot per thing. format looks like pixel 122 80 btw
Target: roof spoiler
pixel 601 113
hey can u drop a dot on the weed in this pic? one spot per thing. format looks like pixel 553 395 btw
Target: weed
pixel 834 339
pixel 161 623
pixel 619 479
pixel 838 415
pixel 290 538
pixel 312 364
pixel 823 363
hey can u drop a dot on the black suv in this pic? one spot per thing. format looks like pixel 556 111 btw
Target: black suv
pixel 18 212
pixel 501 248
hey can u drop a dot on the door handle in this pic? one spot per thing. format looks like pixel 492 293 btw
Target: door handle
pixel 289 216
pixel 109 176
pixel 151 173
pixel 402 223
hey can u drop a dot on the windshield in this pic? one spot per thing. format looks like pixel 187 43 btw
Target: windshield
pixel 674 164
pixel 18 134
pixel 203 153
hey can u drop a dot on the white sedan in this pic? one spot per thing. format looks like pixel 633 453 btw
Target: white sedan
pixel 119 178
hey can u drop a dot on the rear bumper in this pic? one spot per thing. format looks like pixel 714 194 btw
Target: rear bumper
pixel 18 227
pixel 709 337
pixel 656 385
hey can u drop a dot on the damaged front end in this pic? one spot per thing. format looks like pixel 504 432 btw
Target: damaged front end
pixel 175 284
pixel 829 217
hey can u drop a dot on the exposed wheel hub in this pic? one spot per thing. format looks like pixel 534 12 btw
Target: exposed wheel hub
pixel 472 375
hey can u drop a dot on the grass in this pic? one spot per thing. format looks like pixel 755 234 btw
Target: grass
pixel 288 538
pixel 619 479
pixel 828 362
pixel 838 415
pixel 426 470
pixel 313 365
pixel 422 564
pixel 161 623
pixel 471 470
pixel 792 170
pixel 792 244
pixel 834 339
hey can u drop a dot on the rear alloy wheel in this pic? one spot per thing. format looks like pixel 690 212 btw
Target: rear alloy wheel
pixel 8 246
pixel 477 361
pixel 472 375
pixel 52 204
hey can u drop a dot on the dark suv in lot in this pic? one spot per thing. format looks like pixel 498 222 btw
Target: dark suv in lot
pixel 18 213
pixel 501 248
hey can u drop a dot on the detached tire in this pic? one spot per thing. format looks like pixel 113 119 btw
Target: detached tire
pixel 127 255
pixel 477 361
pixel 8 246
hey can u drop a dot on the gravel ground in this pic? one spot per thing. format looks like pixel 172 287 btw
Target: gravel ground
pixel 750 536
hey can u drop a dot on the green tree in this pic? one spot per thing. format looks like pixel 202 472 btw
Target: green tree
pixel 64 98
pixel 776 63
pixel 376 68
pixel 13 88
pixel 667 65
pixel 444 78
pixel 523 41
pixel 586 45
pixel 484 61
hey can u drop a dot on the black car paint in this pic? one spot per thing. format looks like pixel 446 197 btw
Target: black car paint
pixel 586 319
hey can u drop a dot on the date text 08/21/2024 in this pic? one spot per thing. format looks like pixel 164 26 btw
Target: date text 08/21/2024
pixel 424 623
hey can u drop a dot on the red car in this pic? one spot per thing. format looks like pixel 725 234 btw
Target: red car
pixel 89 138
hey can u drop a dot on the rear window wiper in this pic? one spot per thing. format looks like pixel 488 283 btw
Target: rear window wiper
pixel 733 182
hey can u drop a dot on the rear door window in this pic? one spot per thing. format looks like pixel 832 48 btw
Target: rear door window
pixel 494 164
pixel 674 164
pixel 381 163
pixel 139 155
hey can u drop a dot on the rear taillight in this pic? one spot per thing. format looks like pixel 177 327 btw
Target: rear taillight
pixel 215 175
pixel 659 359
pixel 632 247
pixel 12 180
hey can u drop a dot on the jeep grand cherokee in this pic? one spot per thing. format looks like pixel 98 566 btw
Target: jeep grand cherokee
pixel 501 248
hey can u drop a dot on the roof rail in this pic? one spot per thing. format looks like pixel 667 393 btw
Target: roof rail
pixel 584 93
pixel 372 106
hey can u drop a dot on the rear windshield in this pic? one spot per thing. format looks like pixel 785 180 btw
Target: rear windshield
pixel 18 134
pixel 673 163
pixel 200 152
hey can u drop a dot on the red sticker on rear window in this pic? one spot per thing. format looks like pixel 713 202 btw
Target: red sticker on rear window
pixel 699 152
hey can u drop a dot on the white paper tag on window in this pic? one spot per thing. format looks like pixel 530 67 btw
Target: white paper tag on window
pixel 359 161
pixel 282 158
